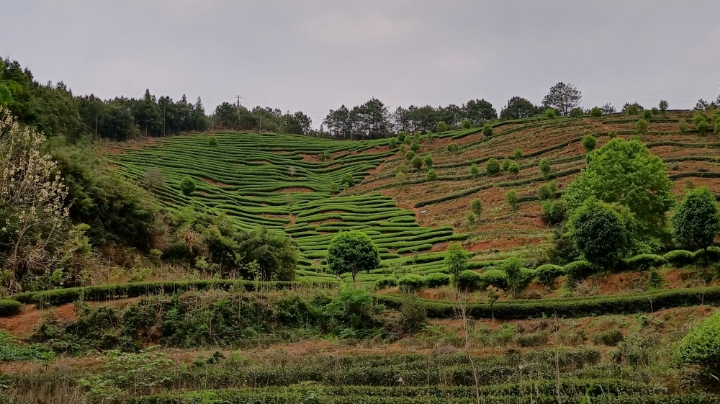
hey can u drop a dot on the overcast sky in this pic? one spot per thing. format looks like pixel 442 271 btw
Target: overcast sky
pixel 316 55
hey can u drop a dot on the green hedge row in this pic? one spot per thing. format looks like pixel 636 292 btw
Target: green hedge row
pixel 118 291
pixel 9 307
pixel 572 307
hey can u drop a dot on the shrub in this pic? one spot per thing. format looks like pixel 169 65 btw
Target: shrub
pixel 545 167
pixel 518 154
pixel 641 127
pixel 612 134
pixel 452 148
pixel 609 338
pixel 384 283
pixel 493 277
pixel 437 279
pixel 401 136
pixel 547 191
pixel 596 112
pixel 682 125
pixel 514 168
pixel 701 346
pixel 492 166
pixel 517 277
pixel 553 212
pixel 468 280
pixel 428 160
pixel 409 155
pixel 506 164
pixel 633 109
pixel 402 168
pixel 466 124
pixel 487 130
pixel 532 340
pixel 645 261
pixel 654 111
pixel 579 270
pixel 702 128
pixel 441 127
pixel 9 307
pixel 411 283
pixel 456 259
pixel 431 175
pixel 333 187
pixel 679 258
pixel 546 274
pixel 400 177
pixel 477 206
pixel 474 170
pixel 589 142
pixel 352 251
pixel 415 145
pixel 212 141
pixel 550 113
pixel 187 186
pixel 576 112
pixel 413 315
pixel 663 106
pixel 471 219
pixel 393 142
pixel 512 199
pixel 647 115
pixel 416 163
pixel 696 219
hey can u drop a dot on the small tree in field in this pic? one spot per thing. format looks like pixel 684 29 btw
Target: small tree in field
pixel 352 252
pixel 477 207
pixel 506 164
pixel 492 166
pixel 596 112
pixel 441 127
pixel 474 170
pixel 466 124
pixel 514 168
pixel 187 186
pixel 663 106
pixel 212 141
pixel 641 127
pixel 400 177
pixel 471 219
pixel 516 280
pixel 512 199
pixel 417 163
pixel 409 155
pixel 601 232
pixel 431 175
pixel 333 187
pixel 154 178
pixel 428 161
pixel 696 219
pixel 487 130
pixel 518 154
pixel 589 142
pixel 456 260
pixel 545 167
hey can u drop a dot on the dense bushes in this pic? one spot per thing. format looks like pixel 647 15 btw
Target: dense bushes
pixel 9 307
pixel 645 261
pixel 579 270
pixel 679 258
pixel 386 282
pixel 411 283
pixel 437 280
pixel 546 274
pixel 701 346
pixel 468 280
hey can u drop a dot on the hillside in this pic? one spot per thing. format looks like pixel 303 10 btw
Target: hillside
pixel 183 333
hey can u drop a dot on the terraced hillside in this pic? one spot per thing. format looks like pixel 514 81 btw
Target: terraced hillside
pixel 500 230
pixel 282 183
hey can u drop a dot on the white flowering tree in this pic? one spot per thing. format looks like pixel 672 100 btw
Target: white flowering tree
pixel 33 212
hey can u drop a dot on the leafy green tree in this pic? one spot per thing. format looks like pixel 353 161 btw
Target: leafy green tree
pixel 352 251
pixel 506 164
pixel 466 124
pixel 550 113
pixel 647 115
pixel 663 106
pixel 601 232
pixel 553 212
pixel 212 141
pixel 699 117
pixel 456 260
pixel 400 177
pixel 632 109
pixel 589 142
pixel 701 346
pixel 477 207
pixel 452 148
pixel 518 154
pixel 409 155
pixel 393 142
pixel 702 128
pixel 545 167
pixel 642 126
pixel 333 187
pixel 471 219
pixel 627 173
pixel 492 166
pixel 512 199
pixel 514 168
pixel 563 97
pixel 576 112
pixel 417 163
pixel 596 112
pixel 487 130
pixel 187 186
pixel 431 175
pixel 474 170
pixel 347 180
pixel 517 108
pixel 428 160
pixel 696 219
pixel 517 280
pixel 441 127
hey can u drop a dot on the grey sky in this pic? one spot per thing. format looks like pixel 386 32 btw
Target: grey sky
pixel 317 55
